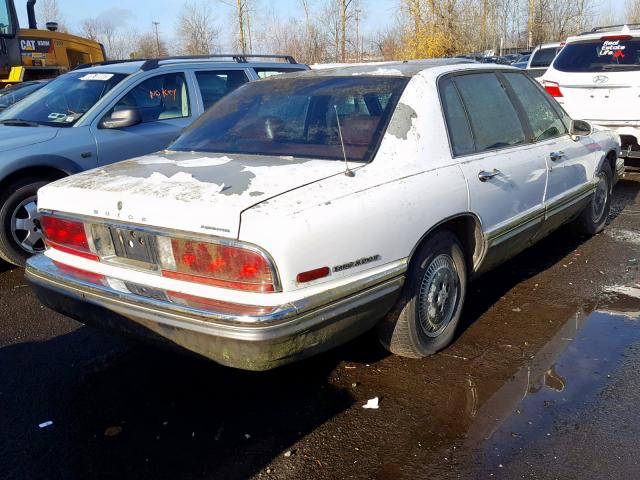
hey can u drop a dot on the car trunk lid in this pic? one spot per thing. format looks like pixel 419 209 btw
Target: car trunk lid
pixel 202 193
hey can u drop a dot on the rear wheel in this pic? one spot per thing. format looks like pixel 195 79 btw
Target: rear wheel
pixel 425 318
pixel 594 217
pixel 20 230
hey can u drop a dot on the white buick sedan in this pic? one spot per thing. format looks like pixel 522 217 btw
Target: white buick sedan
pixel 305 209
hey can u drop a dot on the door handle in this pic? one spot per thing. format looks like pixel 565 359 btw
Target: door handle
pixel 483 176
pixel 555 156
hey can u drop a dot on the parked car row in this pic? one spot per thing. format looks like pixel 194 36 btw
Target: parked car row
pixel 299 210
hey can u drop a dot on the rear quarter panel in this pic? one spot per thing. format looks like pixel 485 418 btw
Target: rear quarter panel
pixel 379 215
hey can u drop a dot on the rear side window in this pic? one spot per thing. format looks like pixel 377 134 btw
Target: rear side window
pixel 216 84
pixel 162 97
pixel 494 120
pixel 600 56
pixel 544 57
pixel 457 123
pixel 543 119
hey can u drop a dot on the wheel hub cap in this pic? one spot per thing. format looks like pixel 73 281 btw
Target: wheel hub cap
pixel 438 295
pixel 25 226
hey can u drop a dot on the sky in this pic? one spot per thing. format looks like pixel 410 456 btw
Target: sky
pixel 138 14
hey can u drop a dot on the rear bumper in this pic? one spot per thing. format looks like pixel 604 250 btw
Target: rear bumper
pixel 252 343
pixel 629 132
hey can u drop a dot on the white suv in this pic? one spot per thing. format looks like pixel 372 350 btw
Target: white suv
pixel 596 77
pixel 541 58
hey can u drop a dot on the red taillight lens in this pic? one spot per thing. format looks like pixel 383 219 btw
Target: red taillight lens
pixel 218 265
pixel 616 37
pixel 553 88
pixel 67 236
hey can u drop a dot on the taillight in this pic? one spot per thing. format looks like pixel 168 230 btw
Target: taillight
pixel 553 88
pixel 67 236
pixel 216 264
pixel 616 37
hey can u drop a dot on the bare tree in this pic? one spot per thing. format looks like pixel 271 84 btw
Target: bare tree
pixel 119 43
pixel 49 11
pixel 196 29
pixel 147 47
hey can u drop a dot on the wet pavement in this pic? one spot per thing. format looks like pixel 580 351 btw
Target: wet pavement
pixel 541 383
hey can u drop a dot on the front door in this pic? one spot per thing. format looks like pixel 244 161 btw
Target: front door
pixel 506 173
pixel 570 164
pixel 165 110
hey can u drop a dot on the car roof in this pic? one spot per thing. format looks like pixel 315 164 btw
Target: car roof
pixel 599 32
pixel 408 68
pixel 131 66
pixel 548 45
pixel 430 68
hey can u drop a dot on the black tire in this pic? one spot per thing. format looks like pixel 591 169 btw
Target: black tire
pixel 11 200
pixel 408 330
pixel 594 217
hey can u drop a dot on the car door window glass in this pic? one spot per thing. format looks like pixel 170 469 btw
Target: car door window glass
pixel 163 97
pixel 457 122
pixel 494 119
pixel 543 119
pixel 216 84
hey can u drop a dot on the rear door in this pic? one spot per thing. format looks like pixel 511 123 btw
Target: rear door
pixel 599 79
pixel 570 163
pixel 505 172
pixel 165 104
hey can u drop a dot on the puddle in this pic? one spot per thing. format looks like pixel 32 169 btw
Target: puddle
pixel 564 380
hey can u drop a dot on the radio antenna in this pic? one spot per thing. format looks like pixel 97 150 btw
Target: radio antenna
pixel 348 172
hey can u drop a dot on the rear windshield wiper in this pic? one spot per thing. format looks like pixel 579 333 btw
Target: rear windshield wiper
pixel 16 122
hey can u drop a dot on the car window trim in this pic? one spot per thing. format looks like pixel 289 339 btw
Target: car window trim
pixel 526 128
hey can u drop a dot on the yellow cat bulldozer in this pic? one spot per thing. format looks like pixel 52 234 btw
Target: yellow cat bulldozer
pixel 34 54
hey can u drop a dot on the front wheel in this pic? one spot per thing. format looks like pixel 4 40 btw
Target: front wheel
pixel 20 230
pixel 425 318
pixel 594 217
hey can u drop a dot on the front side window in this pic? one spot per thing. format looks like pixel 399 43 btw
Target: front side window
pixel 299 117
pixel 543 119
pixel 163 97
pixel 494 119
pixel 457 123
pixel 65 100
pixel 619 53
pixel 216 84
pixel 6 23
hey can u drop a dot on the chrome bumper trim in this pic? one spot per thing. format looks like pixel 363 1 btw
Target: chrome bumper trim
pixel 280 337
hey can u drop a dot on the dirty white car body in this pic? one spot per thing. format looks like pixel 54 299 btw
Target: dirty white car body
pixel 339 238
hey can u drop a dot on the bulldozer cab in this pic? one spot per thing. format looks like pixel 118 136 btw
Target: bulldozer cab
pixel 9 42
pixel 35 54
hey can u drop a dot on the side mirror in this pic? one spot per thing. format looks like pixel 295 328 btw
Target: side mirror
pixel 580 128
pixel 122 119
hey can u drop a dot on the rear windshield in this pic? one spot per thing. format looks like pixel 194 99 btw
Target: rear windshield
pixel 299 117
pixel 544 57
pixel 599 56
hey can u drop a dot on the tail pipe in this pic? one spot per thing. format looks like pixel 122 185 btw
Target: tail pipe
pixel 31 14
